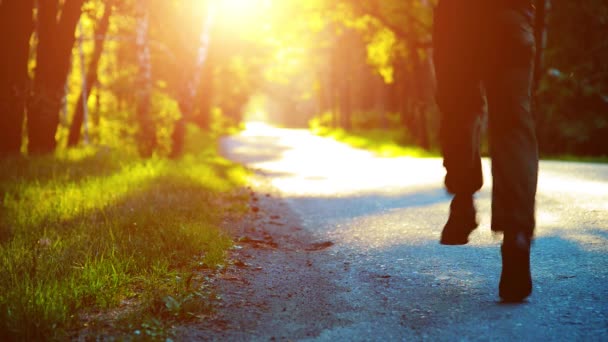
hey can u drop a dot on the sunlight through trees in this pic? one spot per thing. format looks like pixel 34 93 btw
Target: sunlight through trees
pixel 145 69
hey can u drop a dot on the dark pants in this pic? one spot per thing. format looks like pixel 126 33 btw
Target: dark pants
pixel 482 47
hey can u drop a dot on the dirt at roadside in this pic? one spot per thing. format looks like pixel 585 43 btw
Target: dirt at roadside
pixel 273 284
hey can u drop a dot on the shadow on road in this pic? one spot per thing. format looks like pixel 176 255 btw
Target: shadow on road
pixel 393 281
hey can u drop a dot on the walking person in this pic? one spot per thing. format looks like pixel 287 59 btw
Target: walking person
pixel 484 49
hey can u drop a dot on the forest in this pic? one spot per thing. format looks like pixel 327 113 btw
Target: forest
pixel 115 197
pixel 133 74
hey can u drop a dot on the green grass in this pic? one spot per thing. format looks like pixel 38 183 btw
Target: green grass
pixel 393 143
pixel 580 159
pixel 91 231
pixel 385 143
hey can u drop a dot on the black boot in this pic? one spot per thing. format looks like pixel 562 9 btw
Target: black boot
pixel 515 279
pixel 461 223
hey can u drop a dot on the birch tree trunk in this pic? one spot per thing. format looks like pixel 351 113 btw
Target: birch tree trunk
pixel 147 141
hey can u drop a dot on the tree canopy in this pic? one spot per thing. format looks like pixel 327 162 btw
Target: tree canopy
pixel 132 74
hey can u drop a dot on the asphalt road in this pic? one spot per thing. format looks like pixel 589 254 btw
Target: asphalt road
pixel 389 277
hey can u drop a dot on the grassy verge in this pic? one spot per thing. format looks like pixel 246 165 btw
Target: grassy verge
pixel 386 143
pixel 90 232
pixel 580 159
pixel 393 143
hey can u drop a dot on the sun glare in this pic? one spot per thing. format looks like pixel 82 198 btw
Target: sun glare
pixel 237 5
pixel 238 10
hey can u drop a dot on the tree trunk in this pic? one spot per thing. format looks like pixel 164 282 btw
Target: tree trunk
pixel 334 84
pixel 56 40
pixel 147 132
pixel 380 94
pixel 420 127
pixel 91 77
pixel 402 93
pixel 16 25
pixel 345 105
pixel 205 97
pixel 193 87
pixel 321 93
pixel 345 67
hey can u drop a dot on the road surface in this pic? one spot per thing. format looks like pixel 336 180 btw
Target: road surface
pixel 386 277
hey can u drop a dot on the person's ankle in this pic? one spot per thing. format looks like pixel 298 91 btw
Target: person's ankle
pixel 463 200
pixel 517 238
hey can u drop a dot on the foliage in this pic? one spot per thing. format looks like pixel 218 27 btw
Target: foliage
pixel 574 90
pixel 573 97
pixel 305 58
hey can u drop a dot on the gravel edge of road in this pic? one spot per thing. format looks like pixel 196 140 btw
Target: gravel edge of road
pixel 272 284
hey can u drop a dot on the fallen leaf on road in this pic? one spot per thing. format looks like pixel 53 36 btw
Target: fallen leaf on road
pixel 241 264
pixel 255 243
pixel 320 246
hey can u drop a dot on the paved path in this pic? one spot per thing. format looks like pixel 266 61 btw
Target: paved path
pixel 391 280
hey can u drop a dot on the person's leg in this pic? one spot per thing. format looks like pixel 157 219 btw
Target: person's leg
pixel 461 105
pixel 460 135
pixel 513 145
